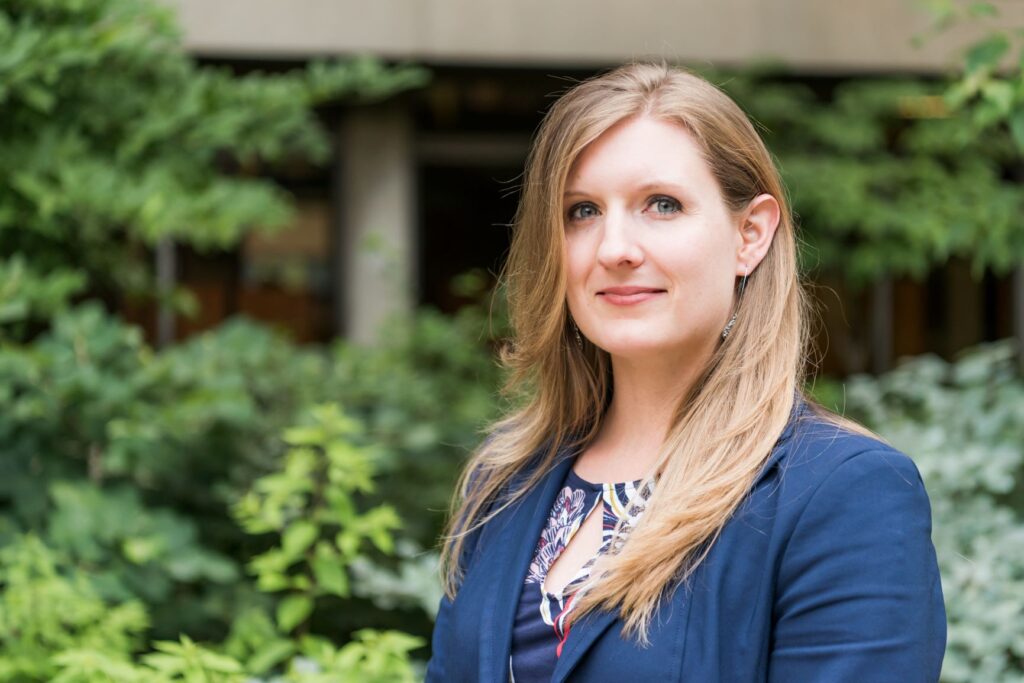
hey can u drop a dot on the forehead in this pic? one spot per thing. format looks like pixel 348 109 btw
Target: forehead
pixel 636 151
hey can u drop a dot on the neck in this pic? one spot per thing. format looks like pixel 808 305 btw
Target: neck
pixel 646 393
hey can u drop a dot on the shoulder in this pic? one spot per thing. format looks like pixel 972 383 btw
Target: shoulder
pixel 824 479
pixel 818 451
pixel 829 486
pixel 852 547
pixel 850 497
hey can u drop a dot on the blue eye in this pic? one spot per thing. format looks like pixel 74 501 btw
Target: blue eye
pixel 572 215
pixel 661 201
pixel 666 207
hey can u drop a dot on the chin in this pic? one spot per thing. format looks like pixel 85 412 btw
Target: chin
pixel 638 348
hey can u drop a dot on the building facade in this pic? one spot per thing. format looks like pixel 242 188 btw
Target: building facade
pixel 423 187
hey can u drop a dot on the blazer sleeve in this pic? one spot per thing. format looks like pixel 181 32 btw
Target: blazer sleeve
pixel 438 667
pixel 858 595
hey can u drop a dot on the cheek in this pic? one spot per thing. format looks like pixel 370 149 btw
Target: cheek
pixel 576 273
pixel 704 272
pixel 576 264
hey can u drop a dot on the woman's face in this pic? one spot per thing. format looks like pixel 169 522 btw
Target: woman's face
pixel 642 210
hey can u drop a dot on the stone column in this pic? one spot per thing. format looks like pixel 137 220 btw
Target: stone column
pixel 376 246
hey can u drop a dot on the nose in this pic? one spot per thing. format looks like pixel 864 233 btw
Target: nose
pixel 619 243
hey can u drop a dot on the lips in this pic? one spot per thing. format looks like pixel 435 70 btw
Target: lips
pixel 626 291
pixel 625 296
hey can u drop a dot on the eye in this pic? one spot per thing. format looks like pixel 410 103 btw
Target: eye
pixel 573 214
pixel 664 202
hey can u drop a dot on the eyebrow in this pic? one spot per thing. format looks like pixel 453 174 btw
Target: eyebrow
pixel 650 185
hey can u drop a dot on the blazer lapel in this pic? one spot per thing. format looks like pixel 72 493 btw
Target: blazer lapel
pixel 513 547
pixel 583 635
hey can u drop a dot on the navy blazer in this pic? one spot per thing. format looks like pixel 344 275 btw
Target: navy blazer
pixel 826 573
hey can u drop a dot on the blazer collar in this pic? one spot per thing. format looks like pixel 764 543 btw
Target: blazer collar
pixel 801 410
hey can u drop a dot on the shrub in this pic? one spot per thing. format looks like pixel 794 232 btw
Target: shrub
pixel 55 626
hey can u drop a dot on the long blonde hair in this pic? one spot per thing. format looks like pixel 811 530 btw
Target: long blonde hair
pixel 721 432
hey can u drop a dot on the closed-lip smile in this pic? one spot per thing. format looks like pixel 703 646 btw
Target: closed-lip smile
pixel 626 291
pixel 628 296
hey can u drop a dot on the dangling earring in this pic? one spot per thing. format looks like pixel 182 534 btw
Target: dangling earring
pixel 732 320
pixel 728 326
pixel 576 331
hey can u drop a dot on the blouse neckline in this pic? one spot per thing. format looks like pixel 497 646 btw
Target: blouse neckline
pixel 579 482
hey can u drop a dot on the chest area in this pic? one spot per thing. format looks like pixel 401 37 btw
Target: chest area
pixel 579 527
pixel 715 627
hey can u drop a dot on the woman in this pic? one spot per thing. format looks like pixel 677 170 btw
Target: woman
pixel 738 533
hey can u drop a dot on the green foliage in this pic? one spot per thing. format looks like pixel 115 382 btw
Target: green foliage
pixel 105 440
pixel 186 661
pixel 371 657
pixel 55 625
pixel 256 641
pixel 26 294
pixel 45 612
pixel 423 393
pixel 136 551
pixel 123 461
pixel 309 504
pixel 963 423
pixel 884 179
pixel 113 139
pixel 989 86
pixel 413 585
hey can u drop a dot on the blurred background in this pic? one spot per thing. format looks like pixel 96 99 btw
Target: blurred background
pixel 248 314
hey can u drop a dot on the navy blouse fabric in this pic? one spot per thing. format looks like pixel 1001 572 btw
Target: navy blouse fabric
pixel 539 631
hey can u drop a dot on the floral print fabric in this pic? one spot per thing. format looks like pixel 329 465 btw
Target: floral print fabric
pixel 540 629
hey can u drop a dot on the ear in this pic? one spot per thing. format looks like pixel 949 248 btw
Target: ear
pixel 755 232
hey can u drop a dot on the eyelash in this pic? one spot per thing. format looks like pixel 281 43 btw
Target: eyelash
pixel 655 198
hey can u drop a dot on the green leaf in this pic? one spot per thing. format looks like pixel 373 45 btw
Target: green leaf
pixel 985 54
pixel 298 537
pixel 141 550
pixel 271 582
pixel 1000 94
pixel 330 576
pixel 347 543
pixel 292 611
pixel 270 656
pixel 304 436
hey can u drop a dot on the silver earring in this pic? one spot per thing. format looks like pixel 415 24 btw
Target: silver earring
pixel 576 331
pixel 732 320
pixel 728 326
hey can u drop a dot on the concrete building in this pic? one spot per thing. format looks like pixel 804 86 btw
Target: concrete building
pixel 423 187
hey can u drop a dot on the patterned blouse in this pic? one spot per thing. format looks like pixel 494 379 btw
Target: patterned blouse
pixel 540 629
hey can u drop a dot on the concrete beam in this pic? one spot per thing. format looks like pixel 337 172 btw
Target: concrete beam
pixel 810 35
